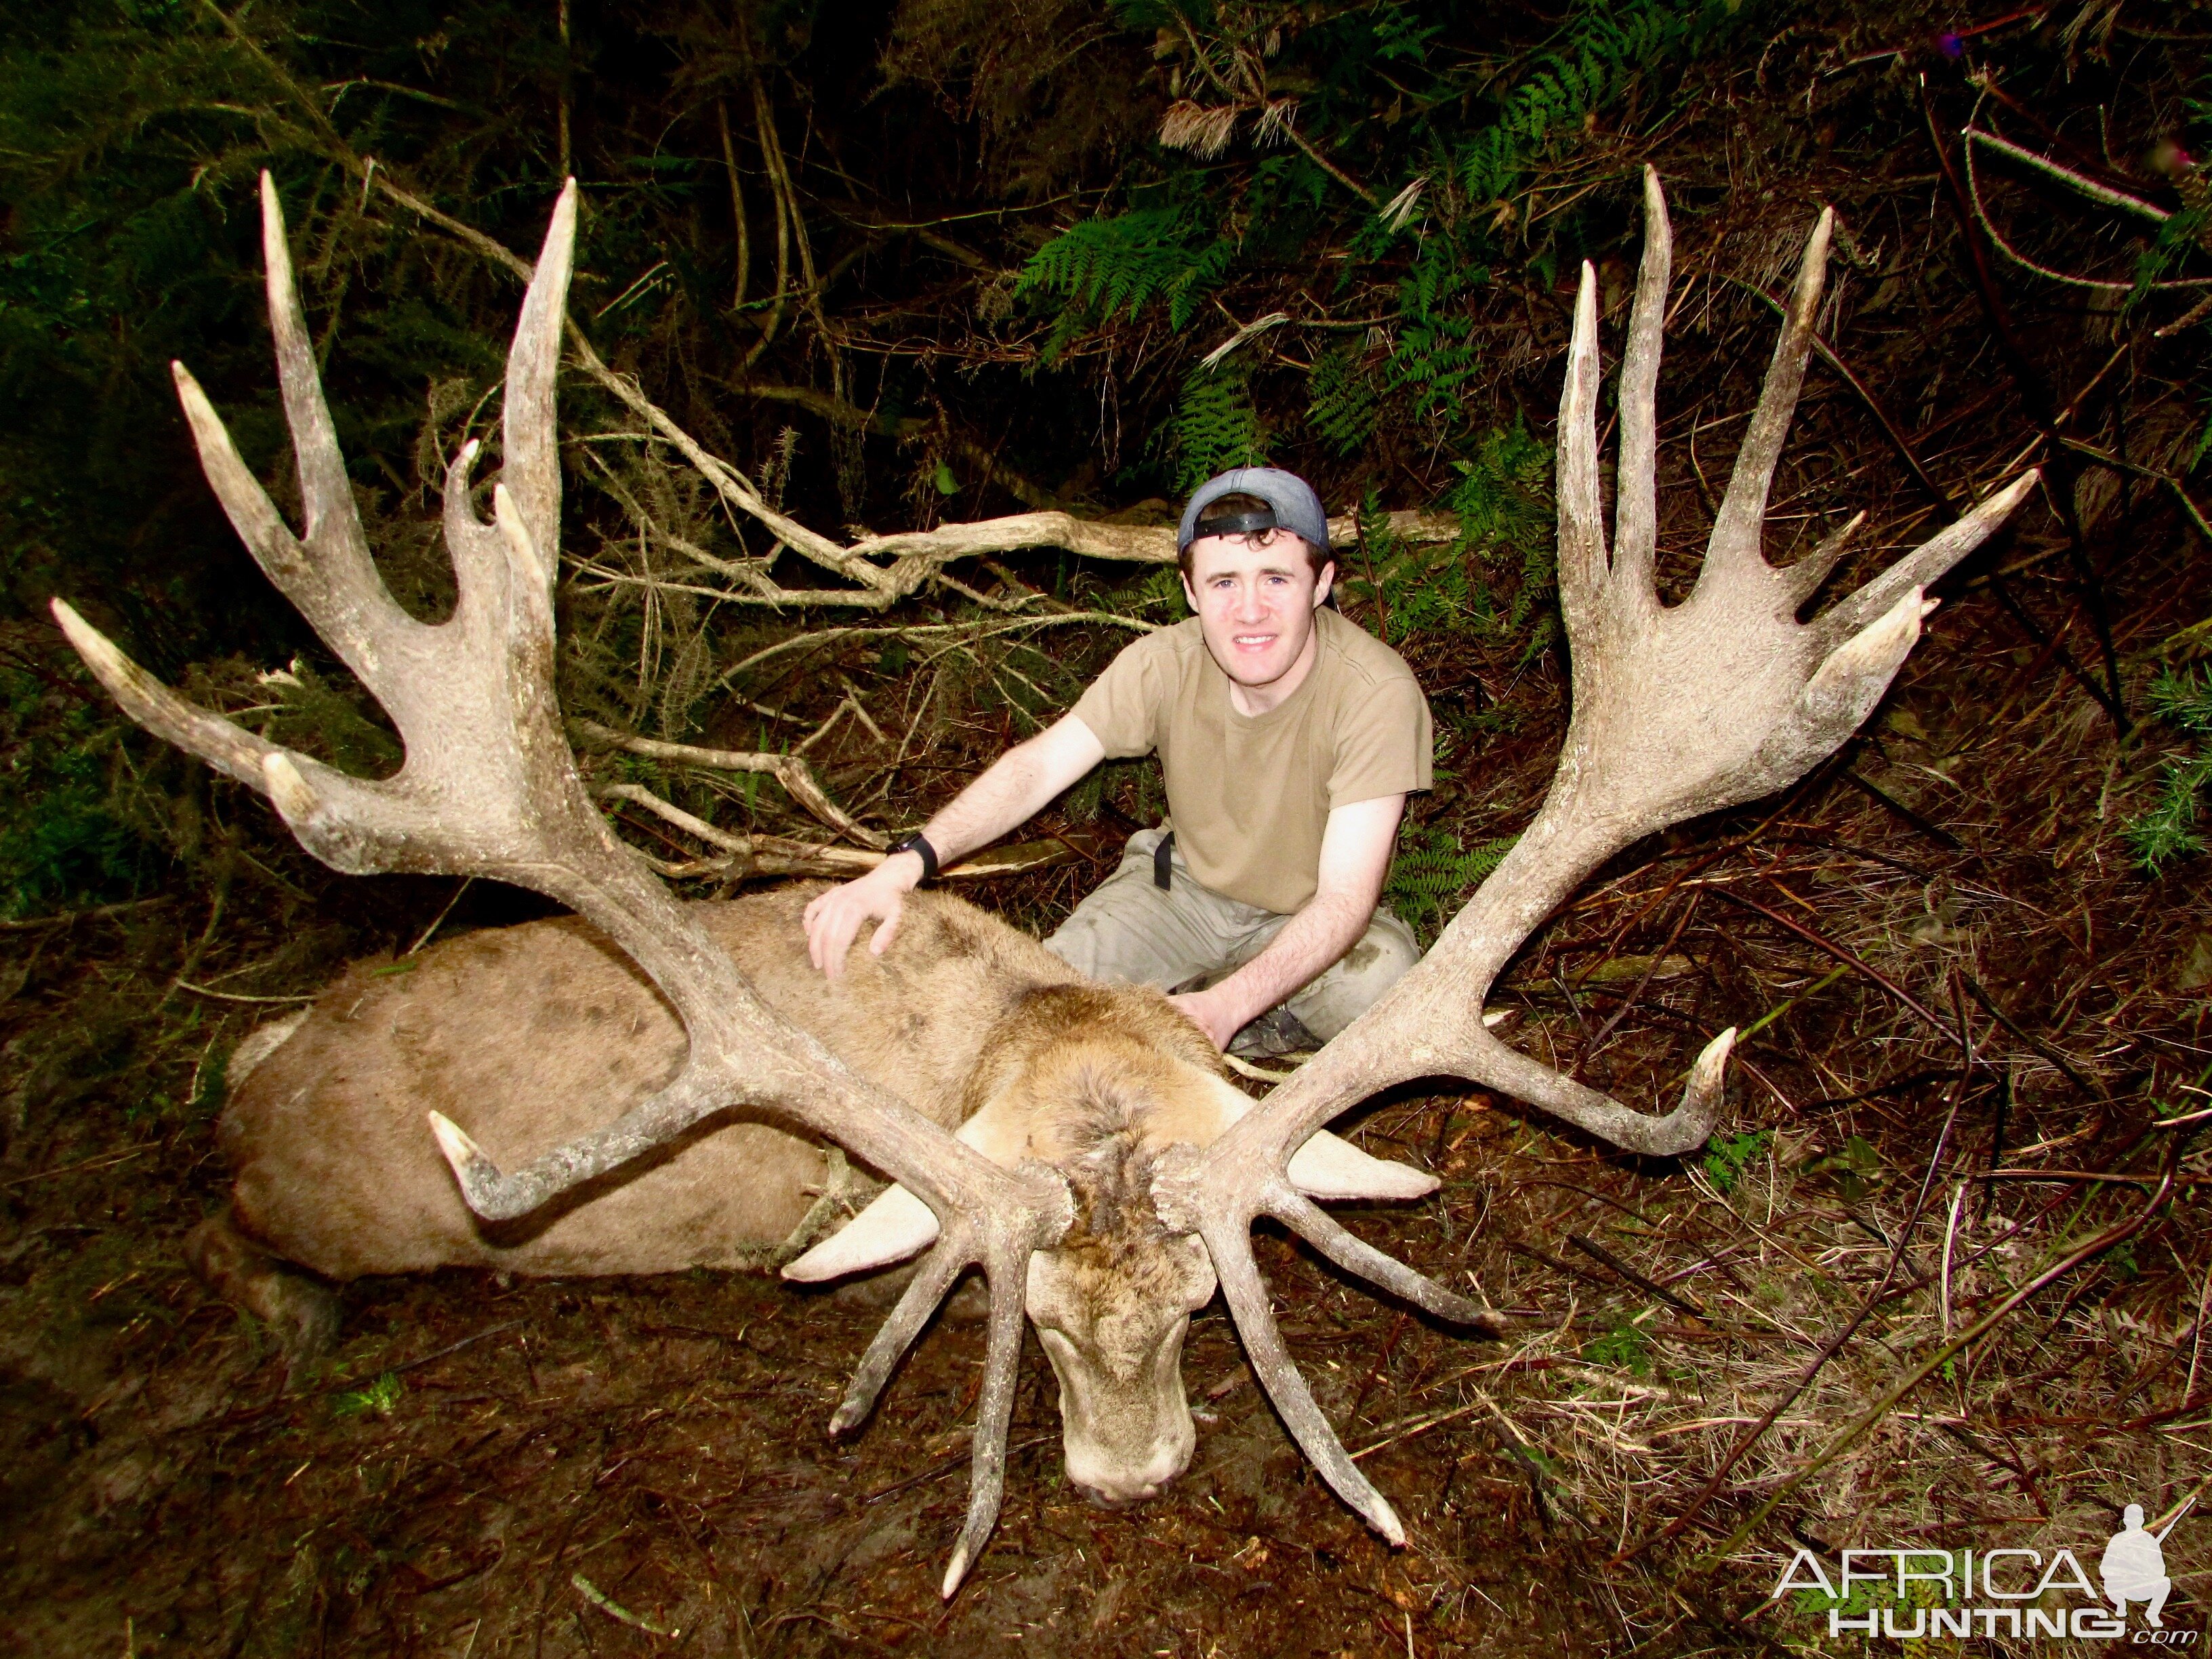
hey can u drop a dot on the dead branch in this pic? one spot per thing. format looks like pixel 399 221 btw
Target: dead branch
pixel 765 855
pixel 884 569
pixel 778 855
pixel 789 770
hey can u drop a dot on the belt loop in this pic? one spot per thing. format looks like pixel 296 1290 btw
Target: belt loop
pixel 1162 856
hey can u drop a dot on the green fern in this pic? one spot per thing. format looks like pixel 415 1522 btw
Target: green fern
pixel 1342 400
pixel 1608 44
pixel 1161 590
pixel 1215 426
pixel 1502 501
pixel 1433 875
pixel 1119 265
pixel 1434 356
pixel 2168 830
pixel 1415 589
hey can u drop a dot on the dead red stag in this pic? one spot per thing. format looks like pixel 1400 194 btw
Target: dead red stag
pixel 1677 711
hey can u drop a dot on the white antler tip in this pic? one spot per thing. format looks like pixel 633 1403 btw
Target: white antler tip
pixel 955 1571
pixel 291 792
pixel 1386 1522
pixel 1714 1059
pixel 1701 1095
pixel 108 664
pixel 463 1153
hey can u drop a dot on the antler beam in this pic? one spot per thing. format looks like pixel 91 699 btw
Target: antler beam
pixel 1678 711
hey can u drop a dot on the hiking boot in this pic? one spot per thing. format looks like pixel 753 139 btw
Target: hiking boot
pixel 1277 1031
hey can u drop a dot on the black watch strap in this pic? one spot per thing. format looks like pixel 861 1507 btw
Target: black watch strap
pixel 919 845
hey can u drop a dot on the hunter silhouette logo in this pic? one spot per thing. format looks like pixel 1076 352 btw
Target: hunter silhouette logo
pixel 1906 1595
pixel 2134 1568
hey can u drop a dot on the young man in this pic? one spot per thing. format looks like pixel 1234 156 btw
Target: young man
pixel 1289 739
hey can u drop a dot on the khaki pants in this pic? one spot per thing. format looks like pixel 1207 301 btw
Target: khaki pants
pixel 1129 930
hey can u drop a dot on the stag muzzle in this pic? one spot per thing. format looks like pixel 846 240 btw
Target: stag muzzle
pixel 1115 1343
pixel 1127 1431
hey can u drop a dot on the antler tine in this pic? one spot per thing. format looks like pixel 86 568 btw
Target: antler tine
pixel 1739 528
pixel 1637 510
pixel 994 1416
pixel 231 749
pixel 529 465
pixel 1229 1242
pixel 1802 580
pixel 1921 567
pixel 1580 514
pixel 1007 1272
pixel 1355 1255
pixel 335 584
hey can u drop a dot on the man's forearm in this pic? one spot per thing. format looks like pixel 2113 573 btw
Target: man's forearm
pixel 1017 786
pixel 986 810
pixel 1310 944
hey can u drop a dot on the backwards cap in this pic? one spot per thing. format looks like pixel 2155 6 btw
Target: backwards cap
pixel 1296 507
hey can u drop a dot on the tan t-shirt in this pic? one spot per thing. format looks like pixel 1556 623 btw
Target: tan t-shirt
pixel 1249 794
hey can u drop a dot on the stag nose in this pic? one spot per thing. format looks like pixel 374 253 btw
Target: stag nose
pixel 1112 1480
pixel 1121 1497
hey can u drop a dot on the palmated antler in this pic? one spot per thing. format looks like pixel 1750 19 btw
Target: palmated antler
pixel 1720 700
pixel 490 788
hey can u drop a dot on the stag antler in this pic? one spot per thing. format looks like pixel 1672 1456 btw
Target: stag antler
pixel 1716 701
pixel 490 788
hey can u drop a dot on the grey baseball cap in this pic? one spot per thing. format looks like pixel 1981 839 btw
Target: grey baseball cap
pixel 1297 508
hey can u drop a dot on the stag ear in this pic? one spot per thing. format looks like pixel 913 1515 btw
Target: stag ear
pixel 1329 1166
pixel 895 1227
pixel 897 1224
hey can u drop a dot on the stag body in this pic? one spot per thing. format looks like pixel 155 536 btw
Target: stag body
pixel 529 1037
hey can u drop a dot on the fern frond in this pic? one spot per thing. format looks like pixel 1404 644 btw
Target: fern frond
pixel 1119 265
pixel 1342 400
pixel 1216 428
pixel 1608 44
pixel 1430 878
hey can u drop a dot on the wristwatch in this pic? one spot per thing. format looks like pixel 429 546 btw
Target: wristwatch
pixel 919 847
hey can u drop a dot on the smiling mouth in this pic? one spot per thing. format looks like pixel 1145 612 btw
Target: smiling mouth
pixel 1250 639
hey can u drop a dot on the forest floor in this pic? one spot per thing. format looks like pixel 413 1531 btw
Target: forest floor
pixel 1965 1012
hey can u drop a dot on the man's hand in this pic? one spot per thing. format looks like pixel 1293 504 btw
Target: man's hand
pixel 1219 1019
pixel 1018 784
pixel 834 917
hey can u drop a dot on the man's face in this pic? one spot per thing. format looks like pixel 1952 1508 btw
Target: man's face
pixel 1255 598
